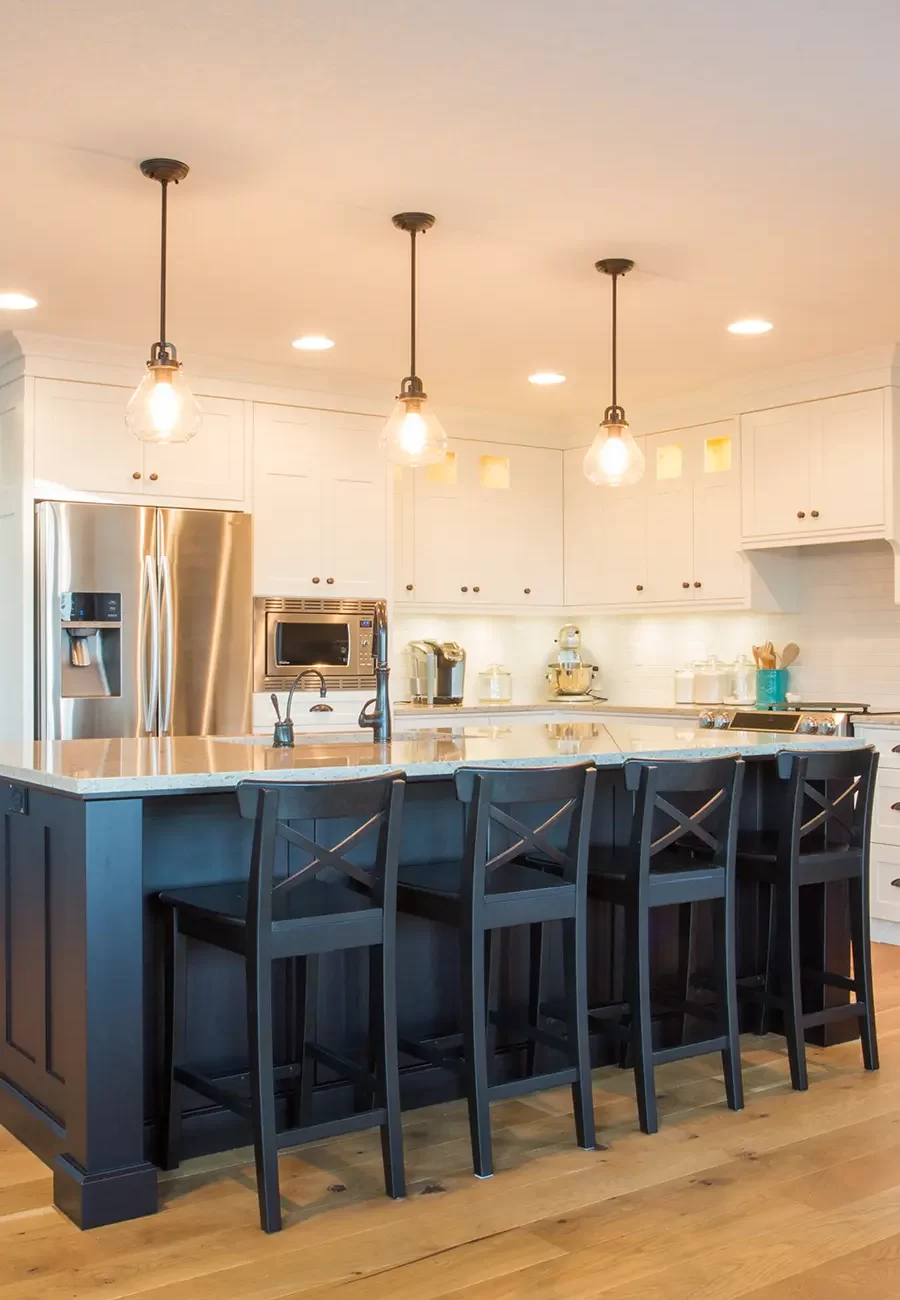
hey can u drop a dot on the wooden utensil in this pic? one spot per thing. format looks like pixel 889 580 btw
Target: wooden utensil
pixel 789 653
pixel 756 655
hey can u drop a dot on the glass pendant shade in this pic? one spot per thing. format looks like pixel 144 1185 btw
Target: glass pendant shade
pixel 614 458
pixel 413 434
pixel 163 408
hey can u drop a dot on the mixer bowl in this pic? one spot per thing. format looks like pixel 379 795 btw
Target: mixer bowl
pixel 571 679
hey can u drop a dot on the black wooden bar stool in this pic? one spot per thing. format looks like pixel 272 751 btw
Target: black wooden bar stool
pixel 681 851
pixel 509 813
pixel 283 911
pixel 823 831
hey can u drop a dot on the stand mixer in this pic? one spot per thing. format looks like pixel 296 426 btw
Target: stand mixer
pixel 569 675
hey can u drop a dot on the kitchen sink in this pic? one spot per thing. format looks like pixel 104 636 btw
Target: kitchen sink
pixel 323 737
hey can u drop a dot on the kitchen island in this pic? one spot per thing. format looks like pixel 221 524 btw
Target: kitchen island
pixel 93 829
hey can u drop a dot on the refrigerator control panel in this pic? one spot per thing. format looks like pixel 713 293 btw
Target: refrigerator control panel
pixel 91 607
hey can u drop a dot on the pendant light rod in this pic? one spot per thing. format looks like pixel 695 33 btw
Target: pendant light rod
pixel 614 267
pixel 165 171
pixel 414 223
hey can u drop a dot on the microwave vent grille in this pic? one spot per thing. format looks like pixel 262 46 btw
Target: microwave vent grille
pixel 362 682
pixel 275 605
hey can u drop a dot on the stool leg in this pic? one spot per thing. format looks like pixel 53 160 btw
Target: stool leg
pixel 475 1047
pixel 574 933
pixel 262 1089
pixel 490 1027
pixel 307 1034
pixel 763 1027
pixel 175 999
pixel 726 978
pixel 384 1025
pixel 862 969
pixel 535 980
pixel 685 955
pixel 637 923
pixel 788 945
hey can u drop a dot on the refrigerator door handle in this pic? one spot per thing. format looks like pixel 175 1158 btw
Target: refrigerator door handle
pixel 49 667
pixel 167 613
pixel 149 626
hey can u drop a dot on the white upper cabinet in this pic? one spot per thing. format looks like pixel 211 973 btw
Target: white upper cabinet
pixel 486 528
pixel 672 540
pixel 83 448
pixel 320 504
pixel 814 471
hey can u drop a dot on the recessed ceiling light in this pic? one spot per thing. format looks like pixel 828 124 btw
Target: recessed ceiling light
pixel 16 302
pixel 749 327
pixel 546 377
pixel 313 343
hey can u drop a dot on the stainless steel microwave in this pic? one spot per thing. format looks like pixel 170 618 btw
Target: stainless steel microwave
pixel 334 636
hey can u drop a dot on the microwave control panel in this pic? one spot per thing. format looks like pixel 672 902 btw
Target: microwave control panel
pixel 366 661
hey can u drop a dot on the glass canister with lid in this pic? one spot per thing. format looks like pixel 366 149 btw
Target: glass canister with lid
pixel 712 681
pixel 495 685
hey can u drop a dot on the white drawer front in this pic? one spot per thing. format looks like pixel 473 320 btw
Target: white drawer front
pixel 886 824
pixel 886 740
pixel 885 902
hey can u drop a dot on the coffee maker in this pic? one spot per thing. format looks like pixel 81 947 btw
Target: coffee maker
pixel 437 671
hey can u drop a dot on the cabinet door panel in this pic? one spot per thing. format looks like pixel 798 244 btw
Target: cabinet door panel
pixel 847 463
pixel 775 461
pixel 211 466
pixel 81 443
pixel 287 503
pixel 719 564
pixel 354 515
pixel 444 550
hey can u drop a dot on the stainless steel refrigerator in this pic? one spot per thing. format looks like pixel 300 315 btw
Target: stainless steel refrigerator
pixel 143 621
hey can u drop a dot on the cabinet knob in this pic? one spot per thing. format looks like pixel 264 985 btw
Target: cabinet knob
pixel 639 587
pixel 330 581
pixel 153 478
pixel 464 588
pixel 698 584
pixel 136 474
pixel 476 589
pixel 409 586
pixel 316 581
pixel 801 514
pixel 814 513
pixel 527 591
pixel 685 584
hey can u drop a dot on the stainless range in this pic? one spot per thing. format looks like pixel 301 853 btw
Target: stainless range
pixel 810 720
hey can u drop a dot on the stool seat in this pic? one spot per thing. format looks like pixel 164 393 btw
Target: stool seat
pixel 611 876
pixel 514 893
pixel 757 856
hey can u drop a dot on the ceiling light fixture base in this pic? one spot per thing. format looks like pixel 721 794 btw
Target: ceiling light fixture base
pixel 413 222
pixel 411 390
pixel 164 169
pixel 614 415
pixel 614 265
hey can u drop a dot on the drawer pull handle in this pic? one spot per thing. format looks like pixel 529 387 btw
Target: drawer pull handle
pixel 896 883
pixel 896 749
pixel 895 807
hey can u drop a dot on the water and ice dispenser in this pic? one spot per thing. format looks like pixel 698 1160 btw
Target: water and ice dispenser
pixel 90 644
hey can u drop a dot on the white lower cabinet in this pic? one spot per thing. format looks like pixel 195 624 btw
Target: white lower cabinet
pixel 320 504
pixel 83 447
pixel 884 866
pixel 885 882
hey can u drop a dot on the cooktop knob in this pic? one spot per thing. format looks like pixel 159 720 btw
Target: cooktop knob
pixel 705 719
pixel 827 727
pixel 721 720
pixel 808 726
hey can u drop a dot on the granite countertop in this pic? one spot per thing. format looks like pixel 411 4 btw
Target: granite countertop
pixel 132 767
pixel 560 705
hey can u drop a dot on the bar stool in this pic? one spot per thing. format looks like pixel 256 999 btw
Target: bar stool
pixel 491 889
pixel 823 832
pixel 681 851
pixel 283 911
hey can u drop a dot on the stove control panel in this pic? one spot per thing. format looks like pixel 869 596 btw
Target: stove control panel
pixel 785 721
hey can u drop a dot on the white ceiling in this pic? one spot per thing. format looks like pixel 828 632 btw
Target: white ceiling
pixel 744 154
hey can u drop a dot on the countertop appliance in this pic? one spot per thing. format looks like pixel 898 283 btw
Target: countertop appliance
pixel 568 674
pixel 142 621
pixel 437 672
pixel 810 720
pixel 334 636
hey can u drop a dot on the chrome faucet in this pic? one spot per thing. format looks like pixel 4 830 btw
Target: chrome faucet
pixel 380 720
pixel 284 728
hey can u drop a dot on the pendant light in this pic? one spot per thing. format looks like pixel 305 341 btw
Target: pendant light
pixel 163 408
pixel 614 458
pixel 413 435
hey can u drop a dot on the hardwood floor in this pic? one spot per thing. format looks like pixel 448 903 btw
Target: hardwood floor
pixel 796 1198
